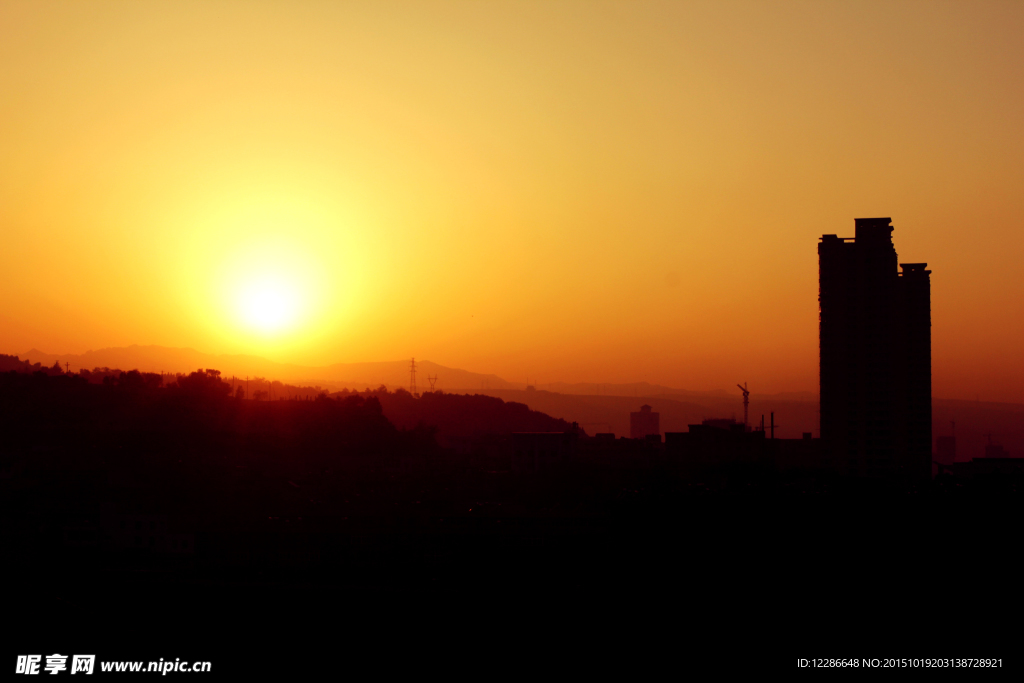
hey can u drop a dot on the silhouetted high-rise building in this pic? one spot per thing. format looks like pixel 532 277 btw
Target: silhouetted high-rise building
pixel 644 423
pixel 875 346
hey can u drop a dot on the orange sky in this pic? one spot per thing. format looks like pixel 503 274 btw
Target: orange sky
pixel 606 192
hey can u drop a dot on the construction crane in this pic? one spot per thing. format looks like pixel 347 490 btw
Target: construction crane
pixel 746 402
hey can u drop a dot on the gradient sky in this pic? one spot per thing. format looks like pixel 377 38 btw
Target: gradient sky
pixel 606 192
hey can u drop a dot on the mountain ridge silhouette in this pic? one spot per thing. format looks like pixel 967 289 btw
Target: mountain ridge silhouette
pixel 155 358
pixel 371 374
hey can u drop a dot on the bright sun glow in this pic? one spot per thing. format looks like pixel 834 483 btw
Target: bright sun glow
pixel 269 304
pixel 273 275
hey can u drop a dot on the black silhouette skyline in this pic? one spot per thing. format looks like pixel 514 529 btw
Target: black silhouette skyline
pixel 124 487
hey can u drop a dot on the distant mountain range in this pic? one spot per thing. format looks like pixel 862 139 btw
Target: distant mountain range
pixel 392 374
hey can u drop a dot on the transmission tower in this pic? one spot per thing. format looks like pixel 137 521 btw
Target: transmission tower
pixel 412 377
pixel 433 381
pixel 746 402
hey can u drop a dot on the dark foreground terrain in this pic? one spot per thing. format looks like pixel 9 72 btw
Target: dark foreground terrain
pixel 143 521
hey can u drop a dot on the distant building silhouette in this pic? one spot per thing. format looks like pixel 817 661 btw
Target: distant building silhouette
pixel 875 354
pixel 644 423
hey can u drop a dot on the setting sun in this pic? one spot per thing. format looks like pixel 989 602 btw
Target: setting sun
pixel 269 291
pixel 269 304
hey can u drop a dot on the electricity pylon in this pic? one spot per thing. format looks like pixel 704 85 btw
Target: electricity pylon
pixel 746 402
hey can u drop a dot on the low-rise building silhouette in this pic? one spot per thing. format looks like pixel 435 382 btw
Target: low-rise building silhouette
pixel 714 443
pixel 718 445
pixel 996 468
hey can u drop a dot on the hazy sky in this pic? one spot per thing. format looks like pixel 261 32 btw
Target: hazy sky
pixel 604 192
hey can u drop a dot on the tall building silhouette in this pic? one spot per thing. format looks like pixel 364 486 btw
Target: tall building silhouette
pixel 875 354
